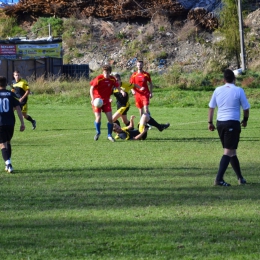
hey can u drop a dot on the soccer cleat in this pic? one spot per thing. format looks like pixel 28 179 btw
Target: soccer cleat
pixel 149 127
pixel 6 168
pixel 9 168
pixel 221 183
pixel 96 137
pixel 163 127
pixel 34 124
pixel 241 181
pixel 110 138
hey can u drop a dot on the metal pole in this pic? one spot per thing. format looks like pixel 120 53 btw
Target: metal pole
pixel 242 46
pixel 49 30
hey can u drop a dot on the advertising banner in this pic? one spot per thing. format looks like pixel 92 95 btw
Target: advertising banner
pixel 30 50
pixel 37 51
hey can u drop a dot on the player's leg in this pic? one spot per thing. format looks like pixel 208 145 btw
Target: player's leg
pixel 124 115
pixel 109 126
pixel 121 112
pixel 139 104
pixel 28 117
pixel 227 153
pixel 97 124
pixel 233 157
pixel 125 120
pixel 143 122
pixel 6 134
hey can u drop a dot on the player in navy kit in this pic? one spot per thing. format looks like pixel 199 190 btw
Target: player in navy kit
pixel 8 102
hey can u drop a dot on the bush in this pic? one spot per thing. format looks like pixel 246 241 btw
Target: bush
pixel 10 28
pixel 41 27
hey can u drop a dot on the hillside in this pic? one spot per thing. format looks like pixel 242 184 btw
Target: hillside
pixel 171 33
pixel 161 41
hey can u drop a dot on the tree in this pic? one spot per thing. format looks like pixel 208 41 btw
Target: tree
pixel 229 28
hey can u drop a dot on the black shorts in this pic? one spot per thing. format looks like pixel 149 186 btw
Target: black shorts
pixel 229 133
pixel 6 133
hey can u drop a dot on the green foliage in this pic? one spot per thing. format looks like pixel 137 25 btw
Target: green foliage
pixel 162 55
pixel 10 28
pixel 41 27
pixel 229 28
pixel 121 35
pixel 161 29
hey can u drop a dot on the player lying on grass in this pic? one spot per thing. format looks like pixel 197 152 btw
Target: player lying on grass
pixel 129 133
pixel 122 102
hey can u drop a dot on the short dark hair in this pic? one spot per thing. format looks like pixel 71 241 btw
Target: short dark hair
pixel 107 67
pixel 3 81
pixel 229 76
pixel 117 76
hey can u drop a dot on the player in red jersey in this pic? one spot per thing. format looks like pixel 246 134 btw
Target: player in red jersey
pixel 143 95
pixel 101 87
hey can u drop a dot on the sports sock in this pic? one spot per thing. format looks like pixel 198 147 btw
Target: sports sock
pixel 29 118
pixel 9 150
pixel 224 162
pixel 117 122
pixel 141 128
pixel 5 154
pixel 97 126
pixel 236 166
pixel 109 129
pixel 152 122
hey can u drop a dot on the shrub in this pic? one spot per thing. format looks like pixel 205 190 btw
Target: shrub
pixel 10 28
pixel 41 27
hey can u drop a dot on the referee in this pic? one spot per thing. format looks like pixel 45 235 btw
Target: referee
pixel 228 98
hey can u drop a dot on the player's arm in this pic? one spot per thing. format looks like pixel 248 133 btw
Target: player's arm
pixel 245 119
pixel 211 126
pixel 137 86
pixel 121 91
pixel 131 125
pixel 151 88
pixel 27 92
pixel 20 115
pixel 138 137
pixel 91 94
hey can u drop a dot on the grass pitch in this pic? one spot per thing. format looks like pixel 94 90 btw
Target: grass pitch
pixel 74 198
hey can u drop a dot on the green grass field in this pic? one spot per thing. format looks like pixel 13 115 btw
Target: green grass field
pixel 74 198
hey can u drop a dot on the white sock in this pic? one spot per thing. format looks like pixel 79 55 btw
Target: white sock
pixel 8 162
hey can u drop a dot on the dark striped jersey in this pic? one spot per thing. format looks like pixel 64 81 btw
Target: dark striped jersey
pixel 8 101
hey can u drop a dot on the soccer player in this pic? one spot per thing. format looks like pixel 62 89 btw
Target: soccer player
pixel 129 133
pixel 229 99
pixel 101 87
pixel 122 102
pixel 142 97
pixel 21 89
pixel 8 102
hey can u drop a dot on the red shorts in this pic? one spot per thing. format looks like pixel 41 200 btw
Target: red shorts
pixel 105 108
pixel 142 100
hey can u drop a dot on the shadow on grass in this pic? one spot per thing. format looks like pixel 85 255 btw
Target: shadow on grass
pixel 120 187
pixel 107 237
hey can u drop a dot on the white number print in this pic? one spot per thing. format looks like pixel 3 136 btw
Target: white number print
pixel 4 104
